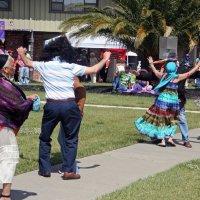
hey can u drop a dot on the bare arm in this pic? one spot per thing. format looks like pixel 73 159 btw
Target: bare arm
pixel 155 71
pixel 117 71
pixel 95 68
pixel 21 51
pixel 80 94
pixel 188 74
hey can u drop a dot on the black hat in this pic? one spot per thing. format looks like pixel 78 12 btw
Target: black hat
pixel 172 55
pixel 3 60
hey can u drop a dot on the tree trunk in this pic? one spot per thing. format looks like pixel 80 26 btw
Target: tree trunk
pixel 168 31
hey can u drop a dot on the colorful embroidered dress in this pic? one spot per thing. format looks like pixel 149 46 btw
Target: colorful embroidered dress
pixel 161 118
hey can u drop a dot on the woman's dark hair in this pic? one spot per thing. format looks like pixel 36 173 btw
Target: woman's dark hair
pixel 60 47
pixel 2 45
pixel 3 60
pixel 15 55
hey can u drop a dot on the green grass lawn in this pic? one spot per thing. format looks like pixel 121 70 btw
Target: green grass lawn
pixel 102 129
pixel 106 129
pixel 120 100
pixel 100 132
pixel 129 100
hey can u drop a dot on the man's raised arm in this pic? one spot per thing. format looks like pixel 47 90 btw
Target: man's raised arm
pixel 95 68
pixel 22 52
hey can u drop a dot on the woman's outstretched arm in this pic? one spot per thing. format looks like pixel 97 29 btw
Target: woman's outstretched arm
pixel 188 74
pixel 155 71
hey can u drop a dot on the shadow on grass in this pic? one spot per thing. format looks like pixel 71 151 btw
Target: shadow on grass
pixel 20 194
pixel 141 141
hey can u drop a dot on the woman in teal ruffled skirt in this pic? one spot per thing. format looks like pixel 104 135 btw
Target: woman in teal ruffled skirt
pixel 161 119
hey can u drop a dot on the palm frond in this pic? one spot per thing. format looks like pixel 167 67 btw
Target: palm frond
pixel 141 35
pixel 140 23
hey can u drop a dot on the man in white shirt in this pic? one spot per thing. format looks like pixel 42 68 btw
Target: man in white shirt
pixel 58 72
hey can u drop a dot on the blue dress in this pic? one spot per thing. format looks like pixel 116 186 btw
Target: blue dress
pixel 161 118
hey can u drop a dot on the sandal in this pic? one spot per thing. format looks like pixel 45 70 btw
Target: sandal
pixel 171 143
pixel 161 144
pixel 5 196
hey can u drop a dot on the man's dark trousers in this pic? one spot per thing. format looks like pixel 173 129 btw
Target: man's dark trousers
pixel 69 115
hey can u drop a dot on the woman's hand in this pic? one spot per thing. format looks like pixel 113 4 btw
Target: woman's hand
pixel 150 59
pixel 32 97
pixel 21 51
pixel 136 73
pixel 155 71
pixel 106 55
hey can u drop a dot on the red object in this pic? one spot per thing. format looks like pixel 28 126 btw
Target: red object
pixel 1 127
pixel 107 64
pixel 123 57
pixel 159 61
pixel 10 51
pixel 16 130
pixel 119 54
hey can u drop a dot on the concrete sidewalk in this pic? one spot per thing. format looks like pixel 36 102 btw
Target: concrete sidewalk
pixel 107 172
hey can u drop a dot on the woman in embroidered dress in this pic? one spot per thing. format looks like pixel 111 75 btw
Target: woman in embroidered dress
pixel 14 110
pixel 160 120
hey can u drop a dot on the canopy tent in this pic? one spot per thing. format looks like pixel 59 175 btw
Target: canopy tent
pixel 130 53
pixel 101 42
pixel 97 42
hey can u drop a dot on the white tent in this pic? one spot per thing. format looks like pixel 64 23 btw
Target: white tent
pixel 130 53
pixel 98 42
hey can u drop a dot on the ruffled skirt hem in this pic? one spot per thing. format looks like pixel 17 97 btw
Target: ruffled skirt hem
pixel 159 132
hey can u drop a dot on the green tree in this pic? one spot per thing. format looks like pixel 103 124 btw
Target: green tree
pixel 138 24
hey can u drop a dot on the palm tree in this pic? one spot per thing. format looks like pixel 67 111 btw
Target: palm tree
pixel 182 18
pixel 138 24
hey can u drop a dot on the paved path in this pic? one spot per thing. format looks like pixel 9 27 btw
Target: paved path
pixel 104 173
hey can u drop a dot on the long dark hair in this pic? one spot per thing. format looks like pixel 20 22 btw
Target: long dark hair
pixel 3 60
pixel 60 47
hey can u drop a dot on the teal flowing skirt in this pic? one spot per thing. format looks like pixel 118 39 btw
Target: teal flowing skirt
pixel 160 120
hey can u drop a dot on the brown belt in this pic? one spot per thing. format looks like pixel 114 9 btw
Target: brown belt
pixel 61 100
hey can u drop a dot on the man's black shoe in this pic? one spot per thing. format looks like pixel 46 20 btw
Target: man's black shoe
pixel 44 174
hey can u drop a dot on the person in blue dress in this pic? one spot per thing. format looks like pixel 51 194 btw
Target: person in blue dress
pixel 161 119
